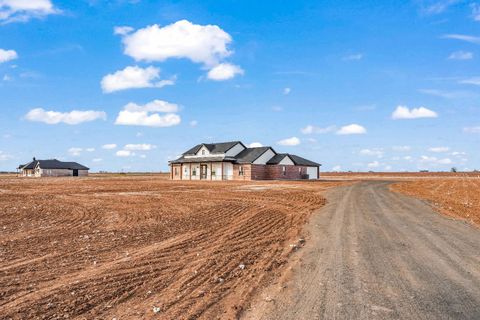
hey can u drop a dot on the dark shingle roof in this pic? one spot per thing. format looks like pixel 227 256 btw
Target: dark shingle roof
pixel 299 161
pixel 54 164
pixel 203 159
pixel 249 155
pixel 221 147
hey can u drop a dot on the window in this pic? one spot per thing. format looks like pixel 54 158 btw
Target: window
pixel 176 171
pixel 203 152
pixel 284 170
pixel 213 172
pixel 240 171
pixel 194 171
pixel 299 170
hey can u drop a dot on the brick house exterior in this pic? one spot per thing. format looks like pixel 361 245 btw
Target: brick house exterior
pixel 234 161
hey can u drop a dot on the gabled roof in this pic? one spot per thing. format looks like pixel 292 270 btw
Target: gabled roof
pixel 53 164
pixel 220 147
pixel 299 161
pixel 203 159
pixel 249 155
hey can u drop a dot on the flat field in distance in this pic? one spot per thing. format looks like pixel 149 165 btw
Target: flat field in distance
pixel 120 245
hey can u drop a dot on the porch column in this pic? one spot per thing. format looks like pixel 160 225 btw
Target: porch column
pixel 190 171
pixel 211 171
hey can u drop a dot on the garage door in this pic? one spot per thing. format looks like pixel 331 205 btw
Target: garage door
pixel 312 172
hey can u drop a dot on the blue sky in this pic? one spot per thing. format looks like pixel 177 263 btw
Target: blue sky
pixel 129 85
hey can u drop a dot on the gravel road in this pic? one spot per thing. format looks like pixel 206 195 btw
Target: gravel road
pixel 375 254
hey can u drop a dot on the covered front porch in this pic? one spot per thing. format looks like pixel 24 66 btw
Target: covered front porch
pixel 202 171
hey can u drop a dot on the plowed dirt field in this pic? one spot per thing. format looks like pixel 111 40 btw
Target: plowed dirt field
pixel 143 247
pixel 458 197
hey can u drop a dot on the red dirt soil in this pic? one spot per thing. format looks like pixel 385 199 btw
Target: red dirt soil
pixel 457 197
pixel 118 247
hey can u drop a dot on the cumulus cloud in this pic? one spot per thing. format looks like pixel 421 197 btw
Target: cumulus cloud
pixel 255 145
pixel 403 112
pixel 4 156
pixel 134 77
pixel 109 146
pixel 351 129
pixel 124 153
pixel 293 141
pixel 224 71
pixel 439 149
pixel 463 37
pixel 434 160
pixel 97 160
pixel 311 129
pixel 206 44
pixel 193 123
pixel 374 164
pixel 139 147
pixel 75 151
pixel 203 44
pixel 149 114
pixel 461 55
pixel 337 168
pixel 24 10
pixel 472 129
pixel 7 55
pixel 286 91
pixel 372 152
pixel 72 118
pixel 475 11
pixel 401 148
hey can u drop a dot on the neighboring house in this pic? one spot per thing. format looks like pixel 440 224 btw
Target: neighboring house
pixel 52 168
pixel 234 161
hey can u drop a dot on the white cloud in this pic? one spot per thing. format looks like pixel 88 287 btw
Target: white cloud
pixel 90 149
pixel 439 149
pixel 439 7
pixel 374 164
pixel 206 44
pixel 71 118
pixel 24 10
pixel 286 91
pixel 403 112
pixel 352 57
pixel 434 160
pixel 372 152
pixel 97 160
pixel 109 146
pixel 352 129
pixel 193 123
pixel 255 145
pixel 310 129
pixel 293 141
pixel 401 148
pixel 408 158
pixel 461 55
pixel 474 81
pixel 134 77
pixel 7 55
pixel 463 37
pixel 472 129
pixel 224 71
pixel 4 156
pixel 122 30
pixel 124 153
pixel 139 147
pixel 475 11
pixel 75 151
pixel 337 168
pixel 447 94
pixel 458 153
pixel 143 156
pixel 148 114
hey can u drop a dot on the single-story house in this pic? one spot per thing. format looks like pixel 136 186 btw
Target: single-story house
pixel 52 168
pixel 234 161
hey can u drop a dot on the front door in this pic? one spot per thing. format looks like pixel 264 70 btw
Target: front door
pixel 75 172
pixel 203 171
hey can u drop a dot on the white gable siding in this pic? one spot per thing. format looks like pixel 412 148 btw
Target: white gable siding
pixel 263 159
pixel 287 161
pixel 202 150
pixel 234 150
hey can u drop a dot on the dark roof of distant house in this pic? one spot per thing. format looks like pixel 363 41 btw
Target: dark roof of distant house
pixel 249 155
pixel 277 158
pixel 220 147
pixel 53 164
